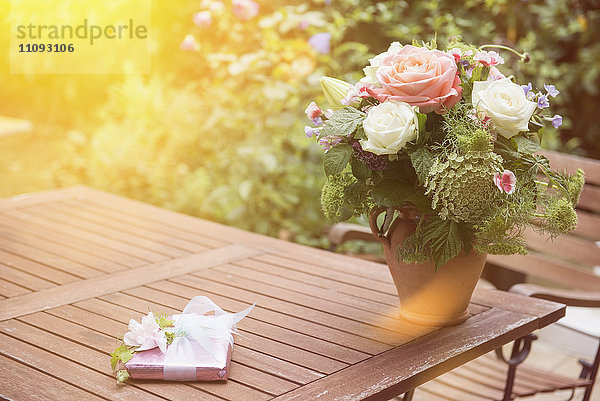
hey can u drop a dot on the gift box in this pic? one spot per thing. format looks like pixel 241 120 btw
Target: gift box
pixel 203 366
pixel 194 345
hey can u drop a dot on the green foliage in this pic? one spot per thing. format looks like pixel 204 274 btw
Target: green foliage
pixel 336 159
pixel 434 239
pixel 121 354
pixel 336 194
pixel 163 320
pixel 392 192
pixel 343 122
pixel 122 375
pixel 461 187
pixel 422 160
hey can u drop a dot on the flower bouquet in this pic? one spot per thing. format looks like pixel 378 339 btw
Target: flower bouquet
pixel 444 145
pixel 195 345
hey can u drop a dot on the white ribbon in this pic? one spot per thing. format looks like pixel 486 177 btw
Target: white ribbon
pixel 194 325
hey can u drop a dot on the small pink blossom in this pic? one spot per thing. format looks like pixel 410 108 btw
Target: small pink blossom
pixel 363 89
pixel 245 9
pixel 458 53
pixel 495 74
pixel 146 335
pixel 506 181
pixel 488 58
pixel 202 19
pixel 303 25
pixel 313 111
pixel 189 43
pixel 217 7
pixel 351 97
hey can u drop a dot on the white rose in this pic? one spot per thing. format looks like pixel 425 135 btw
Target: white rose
pixel 505 103
pixel 375 62
pixel 389 126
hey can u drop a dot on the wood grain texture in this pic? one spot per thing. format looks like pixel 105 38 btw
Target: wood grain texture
pixel 68 293
pixel 403 368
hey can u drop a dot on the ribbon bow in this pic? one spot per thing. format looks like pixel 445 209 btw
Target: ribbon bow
pixel 193 324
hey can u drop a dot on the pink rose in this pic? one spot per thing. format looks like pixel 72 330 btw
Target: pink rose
pixel 420 77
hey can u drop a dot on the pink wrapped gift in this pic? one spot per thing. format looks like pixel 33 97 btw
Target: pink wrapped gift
pixel 150 364
pixel 195 345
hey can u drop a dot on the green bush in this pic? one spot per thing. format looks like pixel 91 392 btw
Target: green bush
pixel 217 132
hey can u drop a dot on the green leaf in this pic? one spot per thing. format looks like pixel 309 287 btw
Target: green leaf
pixel 391 192
pixel 121 353
pixel 422 160
pixel 506 148
pixel 421 201
pixel 444 239
pixel 525 145
pixel 343 122
pixel 359 169
pixel 422 120
pixel 336 159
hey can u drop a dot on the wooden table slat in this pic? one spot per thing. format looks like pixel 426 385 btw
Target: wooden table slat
pixel 72 254
pixel 325 271
pixel 158 235
pixel 326 283
pixel 9 289
pixel 84 289
pixel 94 238
pixel 147 224
pixel 444 350
pixel 159 246
pixel 22 382
pixel 24 279
pixel 31 227
pixel 322 317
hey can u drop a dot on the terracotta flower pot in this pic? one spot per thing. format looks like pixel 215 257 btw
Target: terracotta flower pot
pixel 429 297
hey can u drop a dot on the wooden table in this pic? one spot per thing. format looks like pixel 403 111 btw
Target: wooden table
pixel 77 264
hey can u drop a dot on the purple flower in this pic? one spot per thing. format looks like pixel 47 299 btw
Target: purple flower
pixel 320 42
pixel 556 121
pixel 329 142
pixel 309 132
pixel 526 88
pixel 543 102
pixel 551 89
pixel 317 121
pixel 373 161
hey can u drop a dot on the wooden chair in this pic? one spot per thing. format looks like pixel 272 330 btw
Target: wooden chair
pixel 568 262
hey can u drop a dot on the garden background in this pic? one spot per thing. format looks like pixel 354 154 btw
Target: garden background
pixel 216 130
